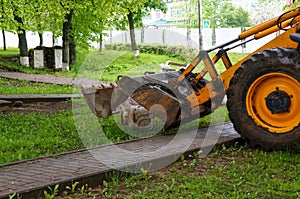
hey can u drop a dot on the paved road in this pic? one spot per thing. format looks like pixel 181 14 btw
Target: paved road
pixel 50 79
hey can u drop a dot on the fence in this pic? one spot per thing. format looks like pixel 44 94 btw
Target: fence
pixel 184 37
pixel 178 36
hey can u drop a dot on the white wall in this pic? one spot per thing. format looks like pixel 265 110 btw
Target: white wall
pixel 33 40
pixel 179 37
pixel 176 36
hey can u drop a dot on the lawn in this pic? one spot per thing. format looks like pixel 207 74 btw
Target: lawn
pixel 235 172
pixel 25 136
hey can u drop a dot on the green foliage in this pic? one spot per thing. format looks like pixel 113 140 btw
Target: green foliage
pixel 262 12
pixel 53 192
pixel 220 13
pixel 231 16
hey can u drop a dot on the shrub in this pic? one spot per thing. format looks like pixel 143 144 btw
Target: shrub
pixel 182 52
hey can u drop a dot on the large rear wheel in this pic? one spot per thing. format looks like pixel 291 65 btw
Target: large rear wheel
pixel 264 99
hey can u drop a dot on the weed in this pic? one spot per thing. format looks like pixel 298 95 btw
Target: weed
pixel 73 187
pixel 144 173
pixel 53 192
pixel 15 196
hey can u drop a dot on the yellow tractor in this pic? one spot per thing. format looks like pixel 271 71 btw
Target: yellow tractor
pixel 263 89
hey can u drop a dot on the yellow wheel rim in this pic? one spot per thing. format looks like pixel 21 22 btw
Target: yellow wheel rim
pixel 269 92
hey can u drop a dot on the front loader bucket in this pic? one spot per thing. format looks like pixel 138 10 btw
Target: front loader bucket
pixel 143 91
pixel 105 99
pixel 148 96
pixel 99 99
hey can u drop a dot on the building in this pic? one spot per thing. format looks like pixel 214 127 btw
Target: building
pixel 173 16
pixel 175 13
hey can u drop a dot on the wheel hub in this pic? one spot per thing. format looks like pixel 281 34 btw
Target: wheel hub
pixel 272 101
pixel 278 102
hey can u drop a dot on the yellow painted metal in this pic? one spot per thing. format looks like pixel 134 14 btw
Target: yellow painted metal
pixel 200 76
pixel 273 29
pixel 282 40
pixel 208 92
pixel 270 23
pixel 258 110
pixel 209 65
pixel 188 70
pixel 258 31
pixel 226 61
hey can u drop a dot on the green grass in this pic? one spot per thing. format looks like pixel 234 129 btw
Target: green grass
pixel 21 137
pixel 33 135
pixel 25 136
pixel 108 65
pixel 9 52
pixel 26 87
pixel 236 172
pixel 82 53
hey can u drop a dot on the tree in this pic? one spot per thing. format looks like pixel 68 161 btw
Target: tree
pixel 18 8
pixel 220 13
pixel 66 39
pixel 102 15
pixel 3 31
pixel 135 10
pixel 129 8
pixel 233 17
pixel 84 22
pixel 23 15
pixel 263 12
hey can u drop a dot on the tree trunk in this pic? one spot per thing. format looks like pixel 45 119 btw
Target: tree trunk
pixel 72 46
pixel 4 40
pixel 53 39
pixel 66 40
pixel 213 37
pixel 23 43
pixel 41 39
pixel 72 50
pixel 3 32
pixel 101 41
pixel 24 60
pixel 132 34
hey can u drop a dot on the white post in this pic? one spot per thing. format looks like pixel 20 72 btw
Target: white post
pixel 38 57
pixel 24 61
pixel 58 60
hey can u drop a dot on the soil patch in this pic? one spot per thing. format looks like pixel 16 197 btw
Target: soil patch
pixel 14 58
pixel 38 107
